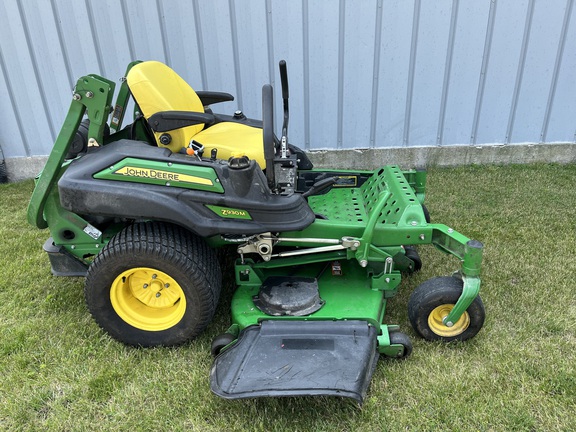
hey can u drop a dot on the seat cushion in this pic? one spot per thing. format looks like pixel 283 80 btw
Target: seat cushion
pixel 233 138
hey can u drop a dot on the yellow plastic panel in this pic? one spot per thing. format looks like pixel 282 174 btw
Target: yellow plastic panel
pixel 233 138
pixel 158 88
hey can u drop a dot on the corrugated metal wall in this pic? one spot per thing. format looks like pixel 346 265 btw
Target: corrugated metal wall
pixel 379 73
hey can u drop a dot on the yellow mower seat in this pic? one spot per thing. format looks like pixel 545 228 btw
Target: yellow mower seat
pixel 157 88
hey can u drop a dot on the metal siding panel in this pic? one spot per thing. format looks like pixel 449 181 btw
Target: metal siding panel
pixel 183 42
pixel 358 71
pixel 288 44
pixel 11 139
pixel 561 126
pixel 47 55
pixel 393 72
pixel 252 55
pixel 24 87
pixel 77 38
pixel 429 72
pixel 538 70
pixel 557 67
pixel 144 29
pixel 323 64
pixel 217 45
pixel 349 66
pixel 501 75
pixel 110 34
pixel 466 66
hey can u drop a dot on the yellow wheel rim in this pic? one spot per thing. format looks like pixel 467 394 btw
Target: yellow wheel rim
pixel 148 299
pixel 436 324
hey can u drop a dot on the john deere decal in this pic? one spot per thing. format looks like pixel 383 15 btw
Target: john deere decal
pixel 162 175
pixel 166 174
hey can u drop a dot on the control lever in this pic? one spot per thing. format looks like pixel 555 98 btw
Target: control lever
pixel 320 186
pixel 284 82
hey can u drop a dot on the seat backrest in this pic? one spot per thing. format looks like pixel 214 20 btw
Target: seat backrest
pixel 156 88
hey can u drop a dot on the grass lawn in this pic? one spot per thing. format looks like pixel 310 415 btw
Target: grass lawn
pixel 61 372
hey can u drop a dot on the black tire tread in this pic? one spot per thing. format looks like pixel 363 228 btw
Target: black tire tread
pixel 437 291
pixel 170 244
pixel 397 337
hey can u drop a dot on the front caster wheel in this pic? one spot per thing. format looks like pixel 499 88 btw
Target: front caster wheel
pixel 433 300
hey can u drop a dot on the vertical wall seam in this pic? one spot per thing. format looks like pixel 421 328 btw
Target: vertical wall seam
pixel 483 70
pixel 341 47
pixel 14 105
pixel 200 44
pixel 306 71
pixel 99 58
pixel 411 72
pixel 447 73
pixel 270 42
pixel 557 66
pixel 128 29
pixel 376 73
pixel 520 71
pixel 235 53
pixel 37 76
pixel 63 49
pixel 163 32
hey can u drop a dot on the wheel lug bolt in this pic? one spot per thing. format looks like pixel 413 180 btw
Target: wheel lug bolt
pixel 154 276
pixel 166 285
pixel 158 295
pixel 145 285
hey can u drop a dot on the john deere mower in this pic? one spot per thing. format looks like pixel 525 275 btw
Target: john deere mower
pixel 140 211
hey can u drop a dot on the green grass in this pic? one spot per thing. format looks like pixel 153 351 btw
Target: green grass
pixel 60 372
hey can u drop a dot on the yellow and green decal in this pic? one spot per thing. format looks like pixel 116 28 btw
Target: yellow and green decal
pixel 163 173
pixel 229 213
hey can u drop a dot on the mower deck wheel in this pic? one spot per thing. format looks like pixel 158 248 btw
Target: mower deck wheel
pixel 220 342
pixel 399 338
pixel 413 254
pixel 153 284
pixel 433 300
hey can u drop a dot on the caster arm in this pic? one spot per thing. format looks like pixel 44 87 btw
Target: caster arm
pixel 470 253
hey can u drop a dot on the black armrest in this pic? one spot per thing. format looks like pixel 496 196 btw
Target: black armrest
pixel 210 97
pixel 169 120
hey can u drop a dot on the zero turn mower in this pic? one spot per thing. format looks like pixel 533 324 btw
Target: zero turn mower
pixel 139 211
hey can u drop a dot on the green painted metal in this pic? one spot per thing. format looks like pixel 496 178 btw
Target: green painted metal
pixel 167 174
pixel 384 211
pixel 349 296
pixel 121 104
pixel 230 213
pixel 384 345
pixel 470 254
pixel 94 95
pixel 71 231
pixel 470 291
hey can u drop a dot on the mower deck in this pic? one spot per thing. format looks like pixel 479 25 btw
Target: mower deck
pixel 295 358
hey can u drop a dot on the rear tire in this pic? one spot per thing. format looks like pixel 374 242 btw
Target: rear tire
pixel 153 284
